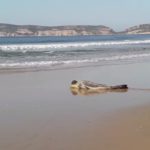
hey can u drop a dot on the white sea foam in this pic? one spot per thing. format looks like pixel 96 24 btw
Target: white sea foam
pixel 71 62
pixel 41 47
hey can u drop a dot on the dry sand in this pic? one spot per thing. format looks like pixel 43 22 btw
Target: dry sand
pixel 38 110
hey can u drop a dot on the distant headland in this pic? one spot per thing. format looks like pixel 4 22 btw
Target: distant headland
pixel 10 30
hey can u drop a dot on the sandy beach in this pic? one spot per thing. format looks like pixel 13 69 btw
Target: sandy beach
pixel 38 110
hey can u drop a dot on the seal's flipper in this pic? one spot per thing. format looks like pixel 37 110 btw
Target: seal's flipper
pixel 123 86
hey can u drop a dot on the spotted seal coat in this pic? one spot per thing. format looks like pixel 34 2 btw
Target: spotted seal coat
pixel 95 86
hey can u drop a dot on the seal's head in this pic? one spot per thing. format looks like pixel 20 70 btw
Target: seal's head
pixel 74 84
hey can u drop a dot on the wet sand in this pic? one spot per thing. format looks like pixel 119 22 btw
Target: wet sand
pixel 38 110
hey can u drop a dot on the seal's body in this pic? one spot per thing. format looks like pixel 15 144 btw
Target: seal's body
pixel 94 86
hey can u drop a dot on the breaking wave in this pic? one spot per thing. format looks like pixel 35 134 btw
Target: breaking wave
pixel 41 47
pixel 70 62
pixel 103 50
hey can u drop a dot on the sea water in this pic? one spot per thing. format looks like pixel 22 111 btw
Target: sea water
pixel 61 52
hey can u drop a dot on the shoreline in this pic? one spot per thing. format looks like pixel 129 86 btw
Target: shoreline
pixel 88 66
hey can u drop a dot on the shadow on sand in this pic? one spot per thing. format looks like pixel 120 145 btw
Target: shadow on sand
pixel 88 92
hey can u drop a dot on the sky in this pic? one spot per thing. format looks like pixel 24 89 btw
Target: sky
pixel 117 14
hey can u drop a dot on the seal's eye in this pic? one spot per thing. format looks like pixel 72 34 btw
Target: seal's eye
pixel 74 82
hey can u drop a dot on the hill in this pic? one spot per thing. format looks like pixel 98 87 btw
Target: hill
pixel 140 29
pixel 7 30
pixel 34 30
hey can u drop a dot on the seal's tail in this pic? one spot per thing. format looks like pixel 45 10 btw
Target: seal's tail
pixel 123 86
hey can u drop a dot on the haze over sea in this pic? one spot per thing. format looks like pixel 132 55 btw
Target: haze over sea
pixel 73 51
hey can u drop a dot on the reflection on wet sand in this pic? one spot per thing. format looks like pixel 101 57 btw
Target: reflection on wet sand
pixel 88 92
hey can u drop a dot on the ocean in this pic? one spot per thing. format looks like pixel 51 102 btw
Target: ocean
pixel 39 53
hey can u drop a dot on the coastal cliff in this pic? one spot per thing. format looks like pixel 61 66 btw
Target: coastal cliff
pixel 33 30
pixel 140 29
pixel 9 30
